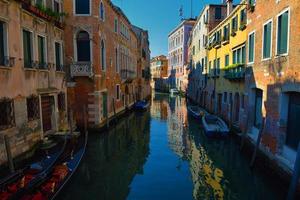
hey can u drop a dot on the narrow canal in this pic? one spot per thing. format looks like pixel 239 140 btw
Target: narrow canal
pixel 163 154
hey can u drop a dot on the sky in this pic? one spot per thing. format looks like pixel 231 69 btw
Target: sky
pixel 159 17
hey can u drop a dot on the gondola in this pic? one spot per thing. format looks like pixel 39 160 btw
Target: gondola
pixel 214 126
pixel 16 183
pixel 141 105
pixel 50 184
pixel 196 111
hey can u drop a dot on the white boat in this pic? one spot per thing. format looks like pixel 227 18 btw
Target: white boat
pixel 174 91
pixel 214 126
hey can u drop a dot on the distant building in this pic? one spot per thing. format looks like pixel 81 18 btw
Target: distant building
pixel 32 88
pixel 159 73
pixel 208 19
pixel 178 54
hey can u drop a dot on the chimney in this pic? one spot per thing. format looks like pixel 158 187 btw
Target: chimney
pixel 229 6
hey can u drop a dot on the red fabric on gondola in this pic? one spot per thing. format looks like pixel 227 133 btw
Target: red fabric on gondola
pixel 4 195
pixel 39 196
pixel 13 187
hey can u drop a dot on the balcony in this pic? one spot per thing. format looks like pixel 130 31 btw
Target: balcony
pixel 235 72
pixel 79 69
pixel 127 75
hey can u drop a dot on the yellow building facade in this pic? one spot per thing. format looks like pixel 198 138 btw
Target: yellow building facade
pixel 226 51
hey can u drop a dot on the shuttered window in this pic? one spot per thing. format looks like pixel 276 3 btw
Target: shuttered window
pixel 267 37
pixel 226 60
pixel 58 57
pixel 27 48
pixel 41 52
pixel 282 33
pixel 251 47
pixel 2 39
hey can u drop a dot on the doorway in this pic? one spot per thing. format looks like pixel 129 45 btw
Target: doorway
pixel 47 104
pixel 237 107
pixel 293 136
pixel 258 108
pixel 104 104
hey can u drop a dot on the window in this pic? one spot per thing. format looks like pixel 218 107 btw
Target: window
pixel 83 47
pixel 267 40
pixel 234 57
pixel 117 60
pixel 27 49
pixel 118 92
pixel 258 108
pixel 102 14
pixel 243 16
pixel 103 56
pixel 239 55
pixel 282 33
pixel 42 52
pixel 226 60
pixel 82 7
pixel 226 33
pixel 3 44
pixel 116 25
pixel 7 117
pixel 251 42
pixel 194 50
pixel 58 56
pixel 61 101
pixel 56 6
pixel 218 67
pixel 33 108
pixel 199 45
pixel 218 13
pixel 40 2
pixel 225 97
pixel 243 58
pixel 234 24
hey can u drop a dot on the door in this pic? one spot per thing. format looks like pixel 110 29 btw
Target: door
pixel 258 108
pixel 47 103
pixel 219 104
pixel 293 135
pixel 104 104
pixel 237 107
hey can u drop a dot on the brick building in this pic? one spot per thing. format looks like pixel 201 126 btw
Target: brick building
pixel 32 89
pixel 272 78
pixel 103 55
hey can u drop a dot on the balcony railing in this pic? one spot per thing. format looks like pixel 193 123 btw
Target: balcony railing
pixel 81 69
pixel 127 74
pixel 235 72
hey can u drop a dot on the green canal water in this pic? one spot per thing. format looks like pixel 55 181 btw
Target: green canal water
pixel 164 154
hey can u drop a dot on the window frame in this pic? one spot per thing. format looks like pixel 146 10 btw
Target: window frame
pixel 263 40
pixel 5 41
pixel 45 50
pixel 101 5
pixel 82 15
pixel 248 44
pixel 61 53
pixel 288 32
pixel 31 47
pixel 118 92
pixel 103 55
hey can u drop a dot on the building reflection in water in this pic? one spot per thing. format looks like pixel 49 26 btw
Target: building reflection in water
pixel 112 160
pixel 207 179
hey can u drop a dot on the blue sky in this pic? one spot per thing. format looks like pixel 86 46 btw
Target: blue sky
pixel 159 17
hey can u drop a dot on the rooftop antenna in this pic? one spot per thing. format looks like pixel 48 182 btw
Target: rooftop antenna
pixel 181 12
pixel 191 9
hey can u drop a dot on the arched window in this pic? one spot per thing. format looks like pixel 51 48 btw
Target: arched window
pixel 83 47
pixel 102 12
pixel 103 56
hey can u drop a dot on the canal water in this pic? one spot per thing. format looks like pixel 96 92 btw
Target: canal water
pixel 164 154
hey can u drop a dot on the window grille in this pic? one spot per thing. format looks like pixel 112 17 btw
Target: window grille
pixel 33 108
pixel 61 101
pixel 7 116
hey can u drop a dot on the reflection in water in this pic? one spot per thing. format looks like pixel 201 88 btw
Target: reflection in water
pixel 111 161
pixel 164 154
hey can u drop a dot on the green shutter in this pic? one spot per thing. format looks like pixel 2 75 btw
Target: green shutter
pixel 267 40
pixel 251 48
pixel 27 48
pixel 41 49
pixel 2 43
pixel 282 36
pixel 226 60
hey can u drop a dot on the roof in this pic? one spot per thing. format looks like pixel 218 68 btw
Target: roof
pixel 186 21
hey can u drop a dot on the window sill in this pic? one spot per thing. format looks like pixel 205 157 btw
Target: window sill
pixel 266 59
pixel 281 55
pixel 60 72
pixel 43 70
pixel 82 15
pixel 29 69
pixel 5 68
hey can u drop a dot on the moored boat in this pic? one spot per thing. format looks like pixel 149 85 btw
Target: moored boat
pixel 141 105
pixel 16 183
pixel 196 111
pixel 214 126
pixel 49 185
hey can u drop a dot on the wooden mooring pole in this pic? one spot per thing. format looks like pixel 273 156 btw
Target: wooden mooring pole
pixel 258 142
pixel 9 155
pixel 295 177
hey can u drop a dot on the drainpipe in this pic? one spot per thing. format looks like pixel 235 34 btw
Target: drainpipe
pixel 229 6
